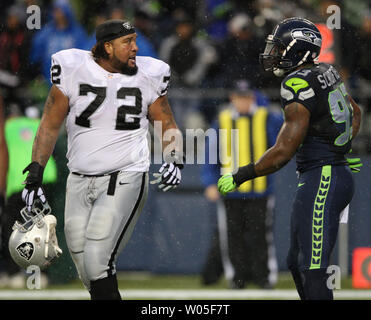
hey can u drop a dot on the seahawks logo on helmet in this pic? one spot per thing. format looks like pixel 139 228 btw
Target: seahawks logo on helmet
pixel 306 35
pixel 25 250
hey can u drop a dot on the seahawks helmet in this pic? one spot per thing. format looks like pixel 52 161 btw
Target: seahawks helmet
pixel 294 41
pixel 34 241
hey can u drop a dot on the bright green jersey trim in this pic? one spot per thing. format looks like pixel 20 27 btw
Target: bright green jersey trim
pixel 296 84
pixel 318 213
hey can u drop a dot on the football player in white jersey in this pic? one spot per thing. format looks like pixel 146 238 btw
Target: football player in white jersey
pixel 107 96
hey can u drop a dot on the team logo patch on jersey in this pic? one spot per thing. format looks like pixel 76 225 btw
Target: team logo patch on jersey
pixel 306 35
pixel 25 250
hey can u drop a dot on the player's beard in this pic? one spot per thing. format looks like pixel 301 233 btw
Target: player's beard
pixel 123 67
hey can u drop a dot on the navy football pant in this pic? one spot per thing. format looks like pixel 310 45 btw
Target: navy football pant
pixel 321 196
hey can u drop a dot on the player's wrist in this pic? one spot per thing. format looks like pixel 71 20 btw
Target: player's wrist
pixel 35 173
pixel 244 174
pixel 175 157
pixel 2 201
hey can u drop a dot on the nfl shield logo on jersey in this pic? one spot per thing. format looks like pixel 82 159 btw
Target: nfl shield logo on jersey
pixel 25 250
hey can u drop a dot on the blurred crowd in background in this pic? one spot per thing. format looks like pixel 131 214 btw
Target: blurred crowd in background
pixel 209 44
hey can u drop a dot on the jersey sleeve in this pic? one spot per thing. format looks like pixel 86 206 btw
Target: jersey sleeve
pixel 163 80
pixel 297 88
pixel 62 68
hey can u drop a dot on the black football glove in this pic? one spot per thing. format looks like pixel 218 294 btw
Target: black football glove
pixel 354 164
pixel 33 189
pixel 2 204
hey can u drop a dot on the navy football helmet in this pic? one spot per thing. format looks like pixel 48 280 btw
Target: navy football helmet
pixel 294 41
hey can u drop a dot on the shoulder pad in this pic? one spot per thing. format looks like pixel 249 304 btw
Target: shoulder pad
pixel 152 67
pixel 70 58
pixel 157 70
pixel 63 64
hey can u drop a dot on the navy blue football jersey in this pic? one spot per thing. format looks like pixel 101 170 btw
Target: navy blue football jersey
pixel 321 90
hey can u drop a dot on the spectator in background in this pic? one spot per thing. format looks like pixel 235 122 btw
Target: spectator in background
pixel 239 53
pixel 14 51
pixel 363 61
pixel 242 247
pixel 217 14
pixel 357 63
pixel 189 58
pixel 97 20
pixel 20 131
pixel 144 26
pixel 62 32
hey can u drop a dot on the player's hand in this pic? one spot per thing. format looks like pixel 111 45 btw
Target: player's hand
pixel 212 193
pixel 226 184
pixel 168 177
pixel 354 164
pixel 33 189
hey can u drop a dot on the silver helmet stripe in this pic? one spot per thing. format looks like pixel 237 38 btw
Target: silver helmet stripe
pixel 288 47
pixel 304 58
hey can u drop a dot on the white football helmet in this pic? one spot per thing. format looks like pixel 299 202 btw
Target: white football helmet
pixel 35 242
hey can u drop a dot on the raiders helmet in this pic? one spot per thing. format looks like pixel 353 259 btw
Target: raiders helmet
pixel 294 41
pixel 34 241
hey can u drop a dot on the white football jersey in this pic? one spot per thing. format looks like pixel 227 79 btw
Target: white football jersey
pixel 107 123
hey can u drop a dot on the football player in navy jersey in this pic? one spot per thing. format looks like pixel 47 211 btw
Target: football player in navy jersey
pixel 321 120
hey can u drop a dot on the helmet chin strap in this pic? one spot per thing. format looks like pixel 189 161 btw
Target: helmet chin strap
pixel 278 72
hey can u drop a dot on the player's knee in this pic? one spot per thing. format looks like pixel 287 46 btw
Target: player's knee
pixel 95 262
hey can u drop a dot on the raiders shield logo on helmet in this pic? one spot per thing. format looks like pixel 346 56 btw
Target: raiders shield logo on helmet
pixel 127 25
pixel 25 250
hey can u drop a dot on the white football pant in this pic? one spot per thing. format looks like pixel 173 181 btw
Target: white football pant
pixel 97 225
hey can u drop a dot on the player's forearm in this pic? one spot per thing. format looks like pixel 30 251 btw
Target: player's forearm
pixel 357 117
pixel 290 137
pixel 165 127
pixel 171 135
pixel 55 111
pixel 271 161
pixel 44 143
pixel 3 165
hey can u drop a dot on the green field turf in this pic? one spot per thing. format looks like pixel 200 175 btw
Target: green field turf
pixel 143 280
pixel 146 286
